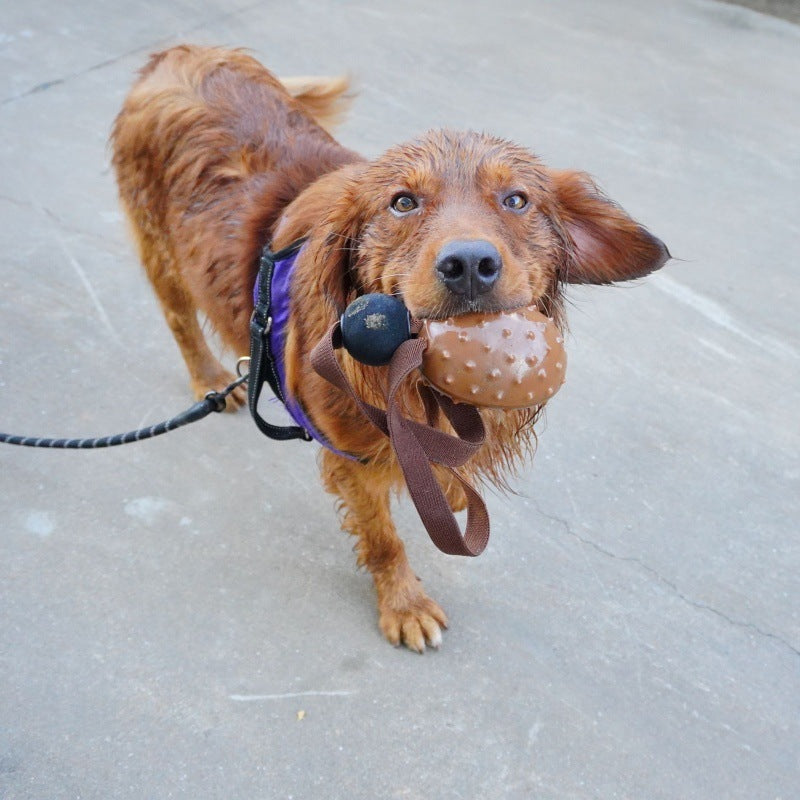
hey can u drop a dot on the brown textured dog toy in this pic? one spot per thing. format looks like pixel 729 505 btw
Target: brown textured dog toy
pixel 509 359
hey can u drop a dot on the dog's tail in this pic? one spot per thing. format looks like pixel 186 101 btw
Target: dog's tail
pixel 324 98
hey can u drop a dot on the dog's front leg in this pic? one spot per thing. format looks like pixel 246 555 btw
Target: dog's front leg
pixel 407 614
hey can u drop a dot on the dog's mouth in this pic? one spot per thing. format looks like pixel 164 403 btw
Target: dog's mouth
pixel 434 304
pixel 456 306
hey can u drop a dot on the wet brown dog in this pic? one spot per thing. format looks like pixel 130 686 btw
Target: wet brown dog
pixel 216 157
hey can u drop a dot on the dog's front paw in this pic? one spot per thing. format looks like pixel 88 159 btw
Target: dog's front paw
pixel 413 620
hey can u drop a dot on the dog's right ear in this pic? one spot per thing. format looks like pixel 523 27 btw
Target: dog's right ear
pixel 329 213
pixel 337 234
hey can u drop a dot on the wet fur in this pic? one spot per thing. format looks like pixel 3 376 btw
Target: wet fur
pixel 215 157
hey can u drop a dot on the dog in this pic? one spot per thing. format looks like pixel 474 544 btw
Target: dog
pixel 216 157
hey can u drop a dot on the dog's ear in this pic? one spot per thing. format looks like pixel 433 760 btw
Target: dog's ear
pixel 338 236
pixel 602 244
pixel 338 252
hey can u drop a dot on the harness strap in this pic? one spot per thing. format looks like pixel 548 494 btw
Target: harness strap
pixel 417 446
pixel 262 359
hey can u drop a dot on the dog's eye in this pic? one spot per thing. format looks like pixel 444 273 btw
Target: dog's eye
pixel 403 203
pixel 516 201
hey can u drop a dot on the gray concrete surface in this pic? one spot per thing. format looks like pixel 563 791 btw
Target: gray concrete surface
pixel 168 609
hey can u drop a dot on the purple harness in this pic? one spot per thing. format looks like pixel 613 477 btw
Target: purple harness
pixel 280 308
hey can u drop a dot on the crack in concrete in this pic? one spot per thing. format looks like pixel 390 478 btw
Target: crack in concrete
pixel 67 228
pixel 44 86
pixel 665 581
pixel 15 202
pixel 116 245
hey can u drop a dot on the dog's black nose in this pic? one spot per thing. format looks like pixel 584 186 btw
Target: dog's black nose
pixel 469 267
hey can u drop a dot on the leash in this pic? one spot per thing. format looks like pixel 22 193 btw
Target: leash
pixel 262 370
pixel 417 445
pixel 213 401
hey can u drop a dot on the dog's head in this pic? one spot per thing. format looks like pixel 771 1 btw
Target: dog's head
pixel 458 222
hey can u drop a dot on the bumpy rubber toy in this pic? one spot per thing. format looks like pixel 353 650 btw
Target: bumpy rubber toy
pixel 511 359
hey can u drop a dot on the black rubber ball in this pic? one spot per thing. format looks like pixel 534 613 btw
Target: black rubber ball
pixel 373 327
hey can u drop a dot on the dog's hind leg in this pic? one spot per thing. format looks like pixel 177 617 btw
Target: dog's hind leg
pixel 206 373
pixel 407 614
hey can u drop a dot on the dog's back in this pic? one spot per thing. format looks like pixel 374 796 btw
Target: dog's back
pixel 208 149
pixel 232 110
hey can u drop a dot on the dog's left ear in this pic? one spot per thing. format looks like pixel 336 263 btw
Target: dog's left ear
pixel 602 244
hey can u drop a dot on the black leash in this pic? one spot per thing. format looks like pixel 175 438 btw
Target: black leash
pixel 262 370
pixel 213 401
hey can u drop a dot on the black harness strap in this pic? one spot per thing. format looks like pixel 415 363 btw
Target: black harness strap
pixel 262 360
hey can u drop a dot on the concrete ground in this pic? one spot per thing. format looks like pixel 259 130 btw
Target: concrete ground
pixel 182 618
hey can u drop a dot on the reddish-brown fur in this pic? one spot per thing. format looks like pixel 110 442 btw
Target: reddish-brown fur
pixel 215 157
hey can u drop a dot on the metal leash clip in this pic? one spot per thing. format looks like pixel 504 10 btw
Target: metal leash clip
pixel 239 363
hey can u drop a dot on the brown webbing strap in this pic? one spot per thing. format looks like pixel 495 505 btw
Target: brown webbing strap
pixel 417 445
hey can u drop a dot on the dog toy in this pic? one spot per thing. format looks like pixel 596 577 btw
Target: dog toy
pixel 507 359
pixel 373 327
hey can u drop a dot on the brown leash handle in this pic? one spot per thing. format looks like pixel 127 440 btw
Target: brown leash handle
pixel 417 445
pixel 326 365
